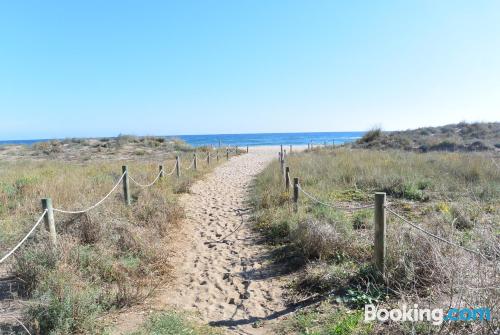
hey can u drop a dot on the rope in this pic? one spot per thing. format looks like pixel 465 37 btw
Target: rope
pixel 93 206
pixel 330 205
pixel 190 166
pixel 146 185
pixel 173 170
pixel 25 237
pixel 434 235
pixel 494 162
pixel 7 316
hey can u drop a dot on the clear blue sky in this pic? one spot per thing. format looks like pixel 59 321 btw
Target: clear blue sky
pixel 100 68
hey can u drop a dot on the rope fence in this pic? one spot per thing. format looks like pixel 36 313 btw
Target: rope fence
pixel 146 185
pixel 93 206
pixel 434 235
pixel 48 210
pixel 190 166
pixel 25 237
pixel 379 206
pixel 313 198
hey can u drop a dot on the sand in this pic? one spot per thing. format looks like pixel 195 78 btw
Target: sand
pixel 223 271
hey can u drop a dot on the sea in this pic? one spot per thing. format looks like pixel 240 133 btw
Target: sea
pixel 260 139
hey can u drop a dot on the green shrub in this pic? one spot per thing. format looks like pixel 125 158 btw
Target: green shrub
pixel 33 263
pixel 362 219
pixel 408 191
pixel 172 323
pixel 67 306
pixel 349 323
pixel 321 277
pixel 370 135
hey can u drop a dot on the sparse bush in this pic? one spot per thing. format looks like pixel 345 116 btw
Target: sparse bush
pixel 182 186
pixel 172 323
pixel 371 135
pixel 408 191
pixel 319 240
pixel 48 148
pixel 410 268
pixel 180 145
pixel 68 305
pixel 33 263
pixel 362 219
pixel 125 139
pixel 321 277
pixel 446 145
pixel 461 218
pixel 478 146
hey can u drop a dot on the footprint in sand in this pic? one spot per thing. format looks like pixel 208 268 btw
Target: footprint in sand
pixel 224 273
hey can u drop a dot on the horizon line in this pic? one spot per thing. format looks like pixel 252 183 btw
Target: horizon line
pixel 177 135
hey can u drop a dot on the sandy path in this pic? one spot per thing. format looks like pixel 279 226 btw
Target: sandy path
pixel 223 272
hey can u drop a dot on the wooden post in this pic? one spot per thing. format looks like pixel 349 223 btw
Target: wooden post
pixel 287 178
pixel 161 171
pixel 281 151
pixel 290 149
pixel 177 166
pixel 295 194
pixel 50 224
pixel 208 158
pixel 195 162
pixel 379 256
pixel 284 154
pixel 217 155
pixel 126 190
pixel 247 149
pixel 227 154
pixel 282 167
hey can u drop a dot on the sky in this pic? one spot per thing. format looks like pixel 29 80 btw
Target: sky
pixel 101 68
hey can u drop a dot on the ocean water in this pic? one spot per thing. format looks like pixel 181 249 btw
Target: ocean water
pixel 250 139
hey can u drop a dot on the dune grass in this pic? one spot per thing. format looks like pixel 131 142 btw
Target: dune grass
pixel 174 323
pixel 108 258
pixel 472 137
pixel 453 195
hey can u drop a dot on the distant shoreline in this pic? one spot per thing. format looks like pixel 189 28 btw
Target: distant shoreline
pixel 262 139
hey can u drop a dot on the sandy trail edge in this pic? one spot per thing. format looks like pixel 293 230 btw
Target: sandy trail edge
pixel 222 271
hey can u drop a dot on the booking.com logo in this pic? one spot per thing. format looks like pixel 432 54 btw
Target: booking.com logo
pixel 437 315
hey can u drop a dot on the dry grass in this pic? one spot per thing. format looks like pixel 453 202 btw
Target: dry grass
pixel 110 148
pixel 453 195
pixel 479 136
pixel 110 257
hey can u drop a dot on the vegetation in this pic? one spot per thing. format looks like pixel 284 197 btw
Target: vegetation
pixel 454 137
pixel 172 323
pixel 453 195
pixel 108 258
pixel 325 320
pixel 107 148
